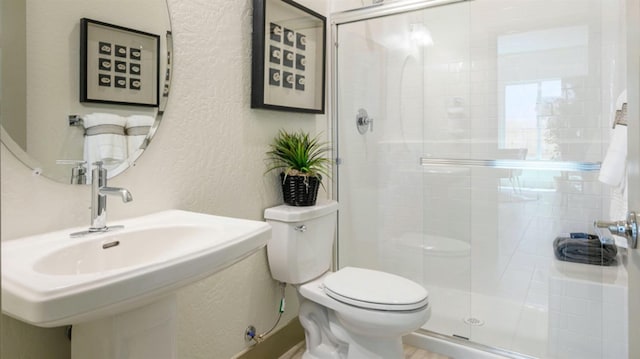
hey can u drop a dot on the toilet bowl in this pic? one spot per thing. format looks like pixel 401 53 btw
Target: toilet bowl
pixel 354 313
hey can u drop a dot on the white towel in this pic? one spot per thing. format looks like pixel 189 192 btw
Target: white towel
pixel 96 119
pixel 104 140
pixel 613 169
pixel 137 128
pixel 139 120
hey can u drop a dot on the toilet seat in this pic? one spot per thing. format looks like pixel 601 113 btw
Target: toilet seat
pixel 370 289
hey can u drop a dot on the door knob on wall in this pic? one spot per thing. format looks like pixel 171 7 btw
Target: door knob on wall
pixel 627 229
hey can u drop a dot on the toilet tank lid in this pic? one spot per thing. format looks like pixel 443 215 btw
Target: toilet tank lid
pixel 285 213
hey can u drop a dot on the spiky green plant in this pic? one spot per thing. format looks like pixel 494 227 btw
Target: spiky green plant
pixel 298 154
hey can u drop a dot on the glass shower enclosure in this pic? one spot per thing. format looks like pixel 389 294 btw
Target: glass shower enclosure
pixel 469 135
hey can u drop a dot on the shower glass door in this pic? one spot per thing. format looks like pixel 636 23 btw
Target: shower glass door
pixel 485 125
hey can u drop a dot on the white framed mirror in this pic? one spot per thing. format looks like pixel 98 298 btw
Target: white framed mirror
pixel 43 122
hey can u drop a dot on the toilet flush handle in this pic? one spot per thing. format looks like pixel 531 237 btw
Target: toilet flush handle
pixel 301 228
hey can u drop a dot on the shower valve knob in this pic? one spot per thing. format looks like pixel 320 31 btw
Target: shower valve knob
pixel 364 123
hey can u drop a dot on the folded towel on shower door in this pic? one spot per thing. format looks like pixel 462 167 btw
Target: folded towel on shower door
pixel 585 250
pixel 613 170
pixel 614 165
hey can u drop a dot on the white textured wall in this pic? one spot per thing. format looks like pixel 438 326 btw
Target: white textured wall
pixel 207 156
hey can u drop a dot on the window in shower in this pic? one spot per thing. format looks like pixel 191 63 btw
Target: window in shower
pixel 543 85
pixel 530 118
pixel 537 75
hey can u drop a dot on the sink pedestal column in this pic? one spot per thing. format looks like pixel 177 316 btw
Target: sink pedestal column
pixel 146 332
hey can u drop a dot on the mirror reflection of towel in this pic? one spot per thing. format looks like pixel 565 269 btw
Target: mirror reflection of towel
pixel 104 140
pixel 137 128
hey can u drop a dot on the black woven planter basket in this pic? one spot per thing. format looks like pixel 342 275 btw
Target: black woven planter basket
pixel 299 191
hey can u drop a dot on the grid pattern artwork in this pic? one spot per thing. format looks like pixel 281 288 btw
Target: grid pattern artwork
pixel 287 58
pixel 119 66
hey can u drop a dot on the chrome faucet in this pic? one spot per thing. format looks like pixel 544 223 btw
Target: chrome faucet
pixel 99 193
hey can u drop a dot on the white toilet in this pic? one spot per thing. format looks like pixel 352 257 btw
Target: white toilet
pixel 353 313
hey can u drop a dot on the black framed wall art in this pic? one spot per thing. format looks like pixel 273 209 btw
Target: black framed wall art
pixel 118 65
pixel 288 65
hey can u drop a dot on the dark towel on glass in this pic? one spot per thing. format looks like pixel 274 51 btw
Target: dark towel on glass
pixel 587 250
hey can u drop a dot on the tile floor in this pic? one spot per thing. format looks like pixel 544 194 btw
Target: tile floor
pixel 409 353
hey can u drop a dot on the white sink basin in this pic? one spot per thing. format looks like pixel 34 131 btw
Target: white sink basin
pixel 51 279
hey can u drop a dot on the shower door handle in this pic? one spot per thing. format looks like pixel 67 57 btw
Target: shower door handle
pixel 363 122
pixel 627 229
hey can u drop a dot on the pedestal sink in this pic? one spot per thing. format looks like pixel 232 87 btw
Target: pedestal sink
pixel 102 282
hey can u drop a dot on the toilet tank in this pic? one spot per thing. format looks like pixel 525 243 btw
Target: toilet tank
pixel 301 244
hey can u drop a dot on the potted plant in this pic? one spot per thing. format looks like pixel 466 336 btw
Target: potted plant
pixel 301 159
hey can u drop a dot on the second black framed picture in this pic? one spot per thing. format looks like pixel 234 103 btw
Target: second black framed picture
pixel 288 65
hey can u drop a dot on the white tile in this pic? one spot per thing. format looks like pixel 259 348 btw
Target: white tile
pixel 585 326
pixel 579 307
pixel 555 303
pixel 584 290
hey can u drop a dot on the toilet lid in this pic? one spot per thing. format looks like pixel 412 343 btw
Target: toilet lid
pixel 372 289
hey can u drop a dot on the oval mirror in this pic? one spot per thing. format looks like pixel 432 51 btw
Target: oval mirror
pixel 82 81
